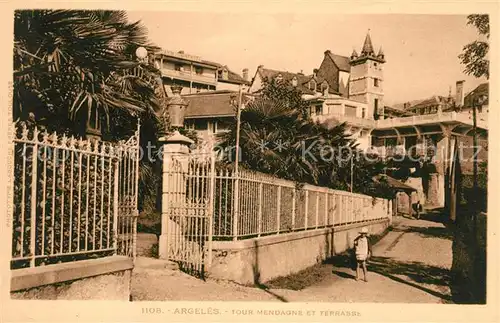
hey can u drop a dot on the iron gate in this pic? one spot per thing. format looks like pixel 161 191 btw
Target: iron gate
pixel 190 204
pixel 72 199
pixel 127 186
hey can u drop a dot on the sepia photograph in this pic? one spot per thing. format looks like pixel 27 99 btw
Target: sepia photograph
pixel 158 156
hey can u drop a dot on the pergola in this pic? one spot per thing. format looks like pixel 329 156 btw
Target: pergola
pixel 446 124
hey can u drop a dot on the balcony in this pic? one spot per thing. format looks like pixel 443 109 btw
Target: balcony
pixel 336 118
pixel 189 77
pixel 443 117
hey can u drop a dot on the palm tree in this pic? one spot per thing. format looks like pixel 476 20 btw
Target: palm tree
pixel 276 139
pixel 68 63
pixel 71 63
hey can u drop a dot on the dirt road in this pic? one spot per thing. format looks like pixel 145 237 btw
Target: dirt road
pixel 410 264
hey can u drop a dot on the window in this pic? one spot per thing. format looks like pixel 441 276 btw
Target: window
pixel 198 70
pixel 375 64
pixel 375 82
pixel 222 126
pixel 363 113
pixel 319 110
pixel 312 85
pixel 375 106
pixel 200 125
pixel 189 124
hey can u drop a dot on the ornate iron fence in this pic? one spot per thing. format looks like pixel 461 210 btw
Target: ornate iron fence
pixel 269 205
pixel 72 199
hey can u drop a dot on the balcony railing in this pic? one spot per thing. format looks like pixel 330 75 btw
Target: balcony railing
pixel 188 76
pixel 429 119
pixel 340 118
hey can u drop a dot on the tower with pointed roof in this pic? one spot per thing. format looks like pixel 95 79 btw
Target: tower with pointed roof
pixel 367 77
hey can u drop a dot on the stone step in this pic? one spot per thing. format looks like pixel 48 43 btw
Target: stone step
pixel 153 263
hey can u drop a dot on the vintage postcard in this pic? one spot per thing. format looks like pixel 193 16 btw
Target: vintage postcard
pixel 219 161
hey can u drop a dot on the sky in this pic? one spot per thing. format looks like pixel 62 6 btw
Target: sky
pixel 421 50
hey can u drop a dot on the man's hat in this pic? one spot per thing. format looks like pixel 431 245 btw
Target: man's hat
pixel 364 230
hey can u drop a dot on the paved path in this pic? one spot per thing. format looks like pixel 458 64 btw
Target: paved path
pixel 410 264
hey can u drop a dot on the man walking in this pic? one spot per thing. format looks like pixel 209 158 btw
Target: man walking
pixel 363 251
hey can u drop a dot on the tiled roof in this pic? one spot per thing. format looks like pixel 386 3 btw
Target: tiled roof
pixel 422 103
pixel 482 89
pixel 302 79
pixel 367 46
pixel 210 104
pixel 233 77
pixel 394 183
pixel 397 110
pixel 342 62
pixel 425 103
pixel 408 104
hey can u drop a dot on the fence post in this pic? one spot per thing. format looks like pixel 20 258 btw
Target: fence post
pixel 335 208
pixel 294 196
pixel 33 203
pixel 236 211
pixel 353 214
pixel 278 209
pixel 326 210
pixel 115 204
pixel 317 209
pixel 341 209
pixel 259 214
pixel 211 211
pixel 175 149
pixel 306 207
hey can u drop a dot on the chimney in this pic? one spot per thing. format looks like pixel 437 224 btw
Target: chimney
pixel 245 74
pixel 181 52
pixel 315 72
pixel 260 67
pixel 459 96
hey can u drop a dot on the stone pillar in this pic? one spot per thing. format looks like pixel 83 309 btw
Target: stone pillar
pixel 433 195
pixel 175 162
pixel 443 162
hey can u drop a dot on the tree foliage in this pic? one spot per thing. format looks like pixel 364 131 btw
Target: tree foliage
pixel 475 55
pixel 285 93
pixel 67 62
pixel 277 139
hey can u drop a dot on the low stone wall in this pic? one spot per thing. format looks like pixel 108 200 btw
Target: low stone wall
pixel 261 259
pixel 96 279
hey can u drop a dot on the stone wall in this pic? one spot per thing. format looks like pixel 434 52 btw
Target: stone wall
pixel 109 287
pixel 261 259
pixel 94 279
